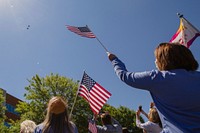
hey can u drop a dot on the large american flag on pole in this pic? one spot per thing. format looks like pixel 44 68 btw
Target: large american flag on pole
pixel 94 93
pixel 82 31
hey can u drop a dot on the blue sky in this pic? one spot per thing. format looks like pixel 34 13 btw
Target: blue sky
pixel 131 29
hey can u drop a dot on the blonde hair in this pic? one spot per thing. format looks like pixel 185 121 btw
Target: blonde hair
pixel 154 116
pixel 27 126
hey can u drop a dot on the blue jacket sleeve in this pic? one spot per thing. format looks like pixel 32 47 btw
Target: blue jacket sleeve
pixel 141 80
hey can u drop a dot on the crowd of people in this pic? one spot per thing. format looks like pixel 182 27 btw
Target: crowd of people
pixel 174 88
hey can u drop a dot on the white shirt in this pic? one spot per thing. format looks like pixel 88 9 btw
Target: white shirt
pixel 149 126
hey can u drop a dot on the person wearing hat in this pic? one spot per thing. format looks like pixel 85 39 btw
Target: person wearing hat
pixel 57 119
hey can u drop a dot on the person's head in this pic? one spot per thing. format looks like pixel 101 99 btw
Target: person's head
pixel 106 119
pixel 174 56
pixel 125 130
pixel 27 126
pixel 153 116
pixel 57 105
pixel 57 117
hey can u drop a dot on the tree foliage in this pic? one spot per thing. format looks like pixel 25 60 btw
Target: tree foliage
pixel 3 128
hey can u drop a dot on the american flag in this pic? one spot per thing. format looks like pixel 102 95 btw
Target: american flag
pixel 94 93
pixel 82 31
pixel 92 127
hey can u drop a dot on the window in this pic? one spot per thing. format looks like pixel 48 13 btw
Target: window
pixel 11 109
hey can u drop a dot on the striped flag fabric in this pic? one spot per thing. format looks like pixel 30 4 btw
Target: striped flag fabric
pixel 92 126
pixel 186 33
pixel 93 92
pixel 82 31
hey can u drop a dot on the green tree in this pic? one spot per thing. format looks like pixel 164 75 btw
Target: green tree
pixel 3 128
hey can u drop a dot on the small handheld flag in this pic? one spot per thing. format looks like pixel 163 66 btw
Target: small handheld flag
pixel 93 92
pixel 186 33
pixel 84 32
pixel 92 126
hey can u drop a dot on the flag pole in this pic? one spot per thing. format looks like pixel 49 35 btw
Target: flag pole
pixel 101 44
pixel 74 102
pixel 181 16
pixel 75 98
pixel 99 41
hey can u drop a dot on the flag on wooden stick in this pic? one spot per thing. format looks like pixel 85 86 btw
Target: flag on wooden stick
pixel 94 93
pixel 85 32
pixel 186 33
